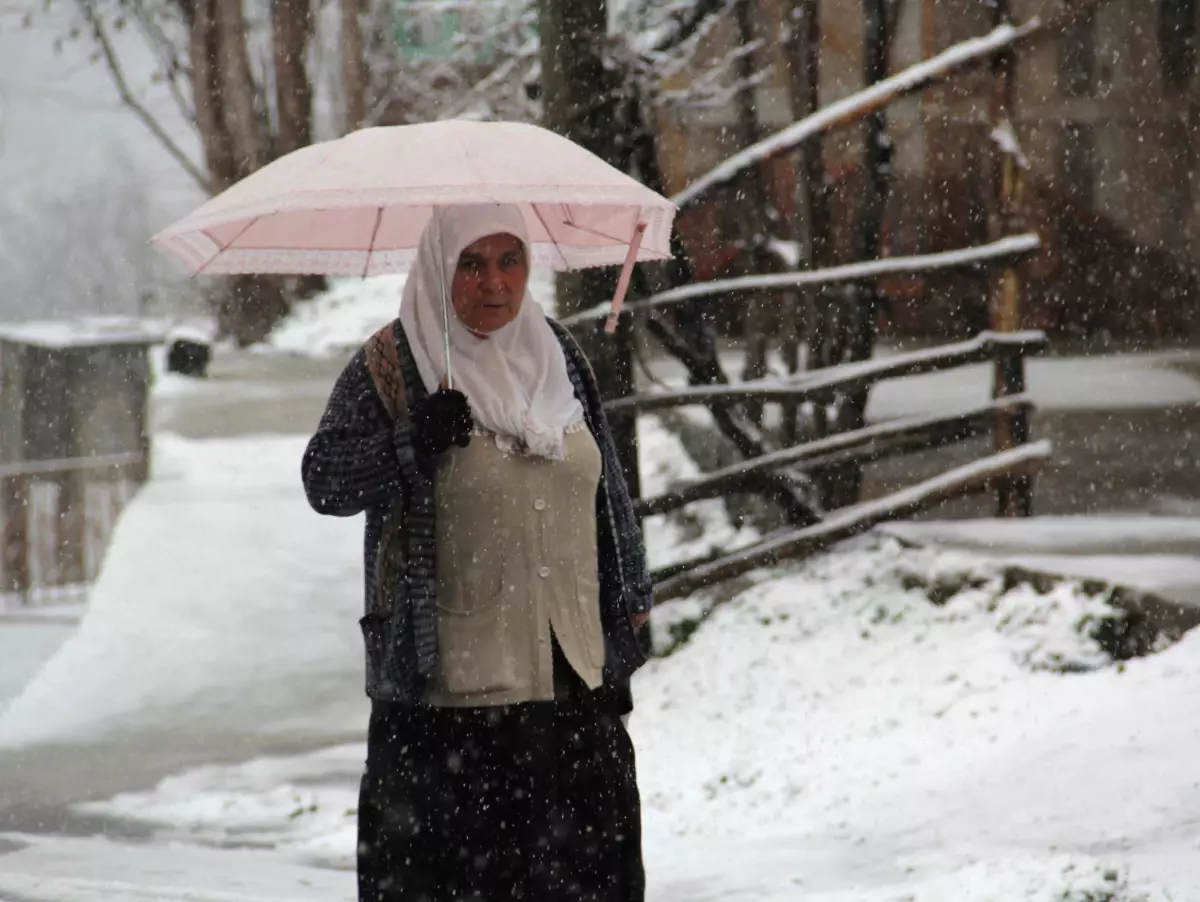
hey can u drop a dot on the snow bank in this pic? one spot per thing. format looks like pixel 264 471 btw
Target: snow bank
pixel 1155 554
pixel 225 603
pixel 830 733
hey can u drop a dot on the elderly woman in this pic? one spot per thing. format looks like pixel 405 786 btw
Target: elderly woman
pixel 505 581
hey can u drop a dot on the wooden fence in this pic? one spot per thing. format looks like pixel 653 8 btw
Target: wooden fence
pixel 56 519
pixel 1007 471
pixel 839 450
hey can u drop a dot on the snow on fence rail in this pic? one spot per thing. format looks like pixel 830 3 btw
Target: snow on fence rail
pixel 825 385
pixel 1005 417
pixel 978 476
pixel 857 105
pixel 867 445
pixel 1005 248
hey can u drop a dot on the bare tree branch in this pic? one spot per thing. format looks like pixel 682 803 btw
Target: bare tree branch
pixel 169 56
pixel 139 110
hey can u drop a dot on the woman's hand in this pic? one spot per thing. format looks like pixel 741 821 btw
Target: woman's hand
pixel 441 420
pixel 639 620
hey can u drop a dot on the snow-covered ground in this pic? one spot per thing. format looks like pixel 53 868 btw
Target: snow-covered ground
pixel 827 734
pixel 1156 554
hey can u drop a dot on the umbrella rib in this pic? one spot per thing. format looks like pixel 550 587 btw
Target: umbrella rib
pixel 614 239
pixel 371 246
pixel 549 234
pixel 222 248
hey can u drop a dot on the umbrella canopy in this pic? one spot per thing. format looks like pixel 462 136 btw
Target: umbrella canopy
pixel 357 206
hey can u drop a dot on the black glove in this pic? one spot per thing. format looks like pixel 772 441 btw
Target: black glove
pixel 442 419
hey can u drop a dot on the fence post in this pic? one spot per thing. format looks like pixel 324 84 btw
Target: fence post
pixel 1014 495
pixel 14 508
pixel 71 526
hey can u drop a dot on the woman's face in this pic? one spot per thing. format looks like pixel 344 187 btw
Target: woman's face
pixel 489 282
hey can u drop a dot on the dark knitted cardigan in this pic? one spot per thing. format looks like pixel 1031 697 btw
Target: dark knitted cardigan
pixel 360 459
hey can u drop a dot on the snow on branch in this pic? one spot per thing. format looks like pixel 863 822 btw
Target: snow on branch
pixel 857 105
pixel 978 476
pixel 1012 246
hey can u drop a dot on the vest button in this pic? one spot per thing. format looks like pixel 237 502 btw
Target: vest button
pixel 540 504
pixel 544 572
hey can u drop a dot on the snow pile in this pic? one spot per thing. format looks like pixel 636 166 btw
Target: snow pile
pixel 1154 554
pixel 931 742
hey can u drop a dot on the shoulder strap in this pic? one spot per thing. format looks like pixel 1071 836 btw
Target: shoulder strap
pixel 383 360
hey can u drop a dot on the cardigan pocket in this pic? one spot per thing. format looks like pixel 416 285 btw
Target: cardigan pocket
pixel 386 639
pixel 475 656
pixel 471 583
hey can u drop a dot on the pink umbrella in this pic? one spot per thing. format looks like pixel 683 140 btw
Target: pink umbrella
pixel 357 206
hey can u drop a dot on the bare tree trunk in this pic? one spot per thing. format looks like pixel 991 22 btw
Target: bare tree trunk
pixel 246 306
pixel 844 482
pixel 291 32
pixel 578 101
pixel 354 67
pixel 243 117
pixel 803 52
pixel 203 45
pixel 250 307
pixel 292 26
pixel 754 202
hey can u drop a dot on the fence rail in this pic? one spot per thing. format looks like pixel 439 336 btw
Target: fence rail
pixel 980 476
pixel 57 517
pixel 826 385
pixel 867 445
pixel 1004 249
pixel 1008 472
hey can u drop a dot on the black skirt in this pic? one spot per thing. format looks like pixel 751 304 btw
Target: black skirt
pixel 534 802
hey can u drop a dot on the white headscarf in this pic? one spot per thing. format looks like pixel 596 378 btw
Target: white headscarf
pixel 515 379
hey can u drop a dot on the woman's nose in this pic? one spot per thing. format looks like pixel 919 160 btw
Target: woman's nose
pixel 493 279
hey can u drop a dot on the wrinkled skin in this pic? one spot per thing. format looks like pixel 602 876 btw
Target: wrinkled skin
pixel 489 282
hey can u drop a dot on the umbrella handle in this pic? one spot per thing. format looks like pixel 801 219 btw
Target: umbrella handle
pixel 445 307
pixel 610 326
pixel 446 333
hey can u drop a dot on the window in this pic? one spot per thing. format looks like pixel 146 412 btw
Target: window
pixel 1177 43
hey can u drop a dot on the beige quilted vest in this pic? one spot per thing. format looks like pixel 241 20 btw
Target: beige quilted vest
pixel 516 558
